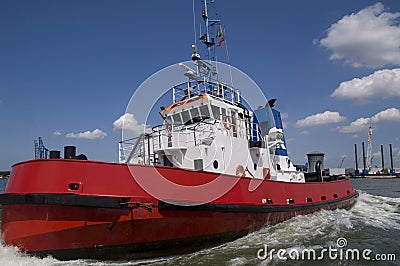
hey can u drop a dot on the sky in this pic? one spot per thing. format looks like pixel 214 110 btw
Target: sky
pixel 69 68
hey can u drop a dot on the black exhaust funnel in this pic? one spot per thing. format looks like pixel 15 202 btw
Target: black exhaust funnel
pixel 69 152
pixel 391 158
pixel 55 155
pixel 364 158
pixel 356 155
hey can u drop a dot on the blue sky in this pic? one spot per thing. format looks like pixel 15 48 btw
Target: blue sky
pixel 70 67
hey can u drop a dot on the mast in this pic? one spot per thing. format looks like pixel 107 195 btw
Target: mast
pixel 206 69
pixel 207 39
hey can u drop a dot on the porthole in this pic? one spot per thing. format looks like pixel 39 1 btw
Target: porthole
pixel 215 164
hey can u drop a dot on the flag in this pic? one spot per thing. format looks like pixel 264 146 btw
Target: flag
pixel 221 40
pixel 219 31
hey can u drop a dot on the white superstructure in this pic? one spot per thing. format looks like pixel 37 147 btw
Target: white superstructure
pixel 208 128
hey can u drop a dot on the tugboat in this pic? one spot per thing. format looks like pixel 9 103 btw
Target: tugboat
pixel 213 171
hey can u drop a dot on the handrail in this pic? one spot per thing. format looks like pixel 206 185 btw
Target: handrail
pixel 187 90
pixel 183 136
pixel 135 146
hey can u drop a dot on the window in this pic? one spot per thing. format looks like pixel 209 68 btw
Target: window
pixel 204 112
pixel 195 115
pixel 177 119
pixel 185 117
pixel 216 112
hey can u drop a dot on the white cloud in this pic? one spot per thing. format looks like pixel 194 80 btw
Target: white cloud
pixel 324 118
pixel 95 134
pixel 370 37
pixel 388 115
pixel 361 124
pixel 56 133
pixel 381 84
pixel 128 121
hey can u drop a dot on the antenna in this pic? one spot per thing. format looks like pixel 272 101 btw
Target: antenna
pixel 194 26
pixel 204 14
pixel 207 39
pixel 206 69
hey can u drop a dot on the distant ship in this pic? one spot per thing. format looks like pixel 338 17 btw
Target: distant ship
pixel 74 208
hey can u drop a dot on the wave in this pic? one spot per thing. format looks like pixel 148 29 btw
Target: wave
pixel 371 215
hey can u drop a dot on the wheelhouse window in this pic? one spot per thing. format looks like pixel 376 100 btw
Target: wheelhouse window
pixel 195 113
pixel 204 112
pixel 216 112
pixel 186 117
pixel 177 119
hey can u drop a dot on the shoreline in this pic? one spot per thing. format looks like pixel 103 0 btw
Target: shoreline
pixel 375 177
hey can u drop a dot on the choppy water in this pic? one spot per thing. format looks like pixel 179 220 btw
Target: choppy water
pixel 373 223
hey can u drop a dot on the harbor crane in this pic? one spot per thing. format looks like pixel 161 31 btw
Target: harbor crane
pixel 341 162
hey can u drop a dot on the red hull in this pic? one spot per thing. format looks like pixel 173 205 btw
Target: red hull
pixel 109 210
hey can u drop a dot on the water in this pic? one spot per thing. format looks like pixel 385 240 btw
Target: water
pixel 373 223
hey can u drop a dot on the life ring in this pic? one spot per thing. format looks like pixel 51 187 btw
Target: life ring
pixel 169 130
pixel 226 120
pixel 240 171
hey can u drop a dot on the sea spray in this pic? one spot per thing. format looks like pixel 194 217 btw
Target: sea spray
pixel 11 256
pixel 314 231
